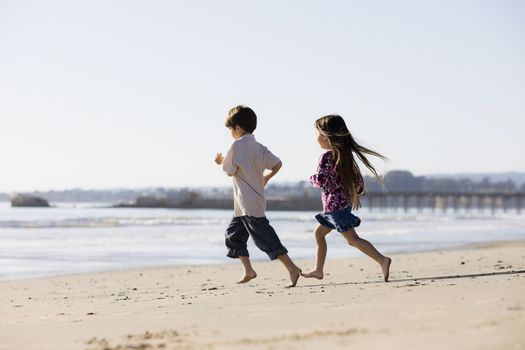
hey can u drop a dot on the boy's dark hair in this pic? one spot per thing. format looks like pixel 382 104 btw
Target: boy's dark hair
pixel 243 116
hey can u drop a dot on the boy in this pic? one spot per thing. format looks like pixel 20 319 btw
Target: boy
pixel 245 162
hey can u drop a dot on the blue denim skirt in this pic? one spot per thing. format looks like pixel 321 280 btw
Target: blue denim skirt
pixel 341 220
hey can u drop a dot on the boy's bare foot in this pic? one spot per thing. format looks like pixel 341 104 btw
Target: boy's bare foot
pixel 247 277
pixel 294 276
pixel 385 266
pixel 313 274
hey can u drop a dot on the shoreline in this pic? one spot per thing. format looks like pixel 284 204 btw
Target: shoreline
pixel 471 297
pixel 256 260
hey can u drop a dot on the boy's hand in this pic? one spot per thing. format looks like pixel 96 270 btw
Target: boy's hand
pixel 219 158
pixel 266 178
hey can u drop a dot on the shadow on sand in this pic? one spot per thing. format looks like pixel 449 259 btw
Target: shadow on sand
pixel 418 279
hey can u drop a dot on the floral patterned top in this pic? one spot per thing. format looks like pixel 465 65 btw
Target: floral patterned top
pixel 334 196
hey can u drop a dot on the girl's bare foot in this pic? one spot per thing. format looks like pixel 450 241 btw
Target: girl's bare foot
pixel 294 276
pixel 385 266
pixel 248 276
pixel 313 274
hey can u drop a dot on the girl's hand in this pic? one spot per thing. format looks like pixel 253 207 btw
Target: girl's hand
pixel 219 158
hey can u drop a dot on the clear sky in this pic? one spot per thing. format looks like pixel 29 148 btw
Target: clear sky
pixel 100 94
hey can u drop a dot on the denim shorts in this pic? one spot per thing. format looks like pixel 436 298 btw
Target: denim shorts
pixel 263 234
pixel 340 220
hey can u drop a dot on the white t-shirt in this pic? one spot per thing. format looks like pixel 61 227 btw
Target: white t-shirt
pixel 251 158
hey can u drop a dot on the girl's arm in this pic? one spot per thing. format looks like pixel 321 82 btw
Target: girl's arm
pixel 320 179
pixel 361 185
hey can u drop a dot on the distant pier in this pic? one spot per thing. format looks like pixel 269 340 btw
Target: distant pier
pixel 445 201
pixel 513 202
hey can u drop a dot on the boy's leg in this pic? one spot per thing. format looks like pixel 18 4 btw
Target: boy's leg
pixel 366 247
pixel 266 239
pixel 293 270
pixel 320 233
pixel 235 238
pixel 249 272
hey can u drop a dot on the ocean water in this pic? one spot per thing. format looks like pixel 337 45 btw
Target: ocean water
pixel 68 239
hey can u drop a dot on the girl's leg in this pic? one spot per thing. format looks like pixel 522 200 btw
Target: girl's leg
pixel 320 232
pixel 366 247
pixel 249 272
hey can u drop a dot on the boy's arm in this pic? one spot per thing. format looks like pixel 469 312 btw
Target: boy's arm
pixel 272 163
pixel 227 162
pixel 272 172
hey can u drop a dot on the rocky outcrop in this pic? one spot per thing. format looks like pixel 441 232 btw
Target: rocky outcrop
pixel 151 202
pixel 159 201
pixel 20 200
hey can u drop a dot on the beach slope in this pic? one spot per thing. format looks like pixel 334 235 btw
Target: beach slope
pixel 467 298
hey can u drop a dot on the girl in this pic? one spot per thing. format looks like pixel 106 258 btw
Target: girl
pixel 341 183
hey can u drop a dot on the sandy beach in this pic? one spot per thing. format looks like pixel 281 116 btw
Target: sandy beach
pixel 468 298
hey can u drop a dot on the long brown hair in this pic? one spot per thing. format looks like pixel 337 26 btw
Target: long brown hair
pixel 344 147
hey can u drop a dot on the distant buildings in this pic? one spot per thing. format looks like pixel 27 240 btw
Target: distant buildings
pixel 302 195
